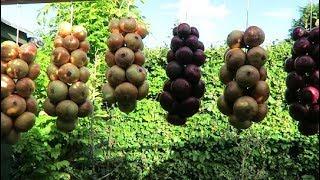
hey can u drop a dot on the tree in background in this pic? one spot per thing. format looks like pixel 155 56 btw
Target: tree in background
pixel 304 19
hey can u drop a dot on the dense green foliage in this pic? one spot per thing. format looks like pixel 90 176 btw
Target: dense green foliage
pixel 142 145
pixel 304 17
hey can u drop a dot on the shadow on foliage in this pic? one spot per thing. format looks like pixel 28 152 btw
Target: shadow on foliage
pixel 234 157
pixel 221 155
pixel 114 168
pixel 238 158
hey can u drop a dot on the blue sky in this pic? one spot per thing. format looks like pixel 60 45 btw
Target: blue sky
pixel 213 18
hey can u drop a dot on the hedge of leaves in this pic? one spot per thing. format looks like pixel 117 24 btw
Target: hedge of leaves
pixel 142 145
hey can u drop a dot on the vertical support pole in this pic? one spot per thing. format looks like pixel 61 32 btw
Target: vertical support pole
pixel 71 13
pixel 17 23
pixel 310 14
pixel 247 14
